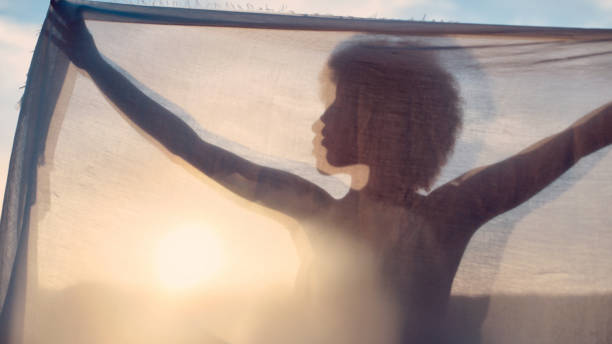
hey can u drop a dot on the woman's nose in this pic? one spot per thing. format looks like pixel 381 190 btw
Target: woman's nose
pixel 317 126
pixel 329 112
pixel 324 116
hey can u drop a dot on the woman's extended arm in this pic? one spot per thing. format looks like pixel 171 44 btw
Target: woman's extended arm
pixel 488 191
pixel 273 188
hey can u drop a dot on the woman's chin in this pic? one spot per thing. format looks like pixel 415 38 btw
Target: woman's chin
pixel 328 166
pixel 339 161
pixel 324 172
pixel 324 167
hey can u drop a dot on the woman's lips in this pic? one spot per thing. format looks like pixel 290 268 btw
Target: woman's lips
pixel 319 142
pixel 319 139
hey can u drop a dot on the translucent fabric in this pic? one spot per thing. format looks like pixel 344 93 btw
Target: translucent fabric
pixel 191 176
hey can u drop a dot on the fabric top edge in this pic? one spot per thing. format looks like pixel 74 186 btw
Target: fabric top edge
pixel 204 17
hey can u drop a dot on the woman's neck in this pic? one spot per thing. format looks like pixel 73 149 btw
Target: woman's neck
pixel 388 188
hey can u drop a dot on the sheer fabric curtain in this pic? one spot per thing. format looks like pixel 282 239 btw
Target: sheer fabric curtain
pixel 117 227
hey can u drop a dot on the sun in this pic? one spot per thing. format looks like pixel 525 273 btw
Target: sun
pixel 188 258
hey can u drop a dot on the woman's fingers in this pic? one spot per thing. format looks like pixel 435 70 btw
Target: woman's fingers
pixel 59 42
pixel 61 27
pixel 67 30
pixel 68 12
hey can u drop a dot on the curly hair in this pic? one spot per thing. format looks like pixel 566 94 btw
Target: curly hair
pixel 415 103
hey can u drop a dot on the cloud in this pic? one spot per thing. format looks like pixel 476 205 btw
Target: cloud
pixel 566 13
pixel 355 8
pixel 31 11
pixel 604 4
pixel 368 8
pixel 17 35
pixel 16 45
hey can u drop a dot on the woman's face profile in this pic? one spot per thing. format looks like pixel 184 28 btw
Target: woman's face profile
pixel 336 130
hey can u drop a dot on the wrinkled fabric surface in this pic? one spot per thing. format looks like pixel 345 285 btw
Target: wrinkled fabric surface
pixel 241 215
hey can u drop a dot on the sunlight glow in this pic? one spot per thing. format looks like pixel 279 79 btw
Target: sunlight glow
pixel 189 257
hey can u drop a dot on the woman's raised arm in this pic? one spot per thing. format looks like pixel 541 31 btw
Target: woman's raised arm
pixel 272 188
pixel 488 191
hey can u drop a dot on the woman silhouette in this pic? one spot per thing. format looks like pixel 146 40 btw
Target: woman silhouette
pixel 396 111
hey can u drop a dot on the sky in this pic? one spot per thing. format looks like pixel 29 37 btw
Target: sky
pixel 20 22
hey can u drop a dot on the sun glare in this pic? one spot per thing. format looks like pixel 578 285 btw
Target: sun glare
pixel 189 257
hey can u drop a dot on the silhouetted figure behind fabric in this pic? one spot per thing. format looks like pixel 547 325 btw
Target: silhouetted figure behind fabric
pixel 397 112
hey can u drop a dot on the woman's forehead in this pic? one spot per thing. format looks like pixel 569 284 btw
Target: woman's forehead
pixel 327 86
